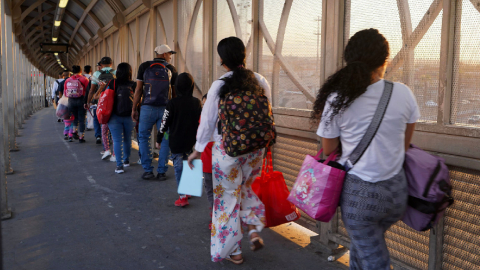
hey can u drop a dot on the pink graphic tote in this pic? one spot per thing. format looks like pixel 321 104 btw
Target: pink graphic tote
pixel 318 187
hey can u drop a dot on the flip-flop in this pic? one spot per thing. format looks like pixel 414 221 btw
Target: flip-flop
pixel 256 243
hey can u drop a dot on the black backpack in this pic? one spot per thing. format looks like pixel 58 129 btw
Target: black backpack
pixel 106 75
pixel 60 88
pixel 124 99
pixel 156 80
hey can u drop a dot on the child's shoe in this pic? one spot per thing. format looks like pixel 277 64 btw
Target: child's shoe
pixel 81 139
pixel 181 201
pixel 106 155
pixel 65 137
pixel 75 136
pixel 70 139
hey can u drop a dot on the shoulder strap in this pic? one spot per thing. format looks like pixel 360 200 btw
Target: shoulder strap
pixel 374 125
pixel 157 64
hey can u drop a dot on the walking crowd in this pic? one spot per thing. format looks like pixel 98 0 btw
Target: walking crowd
pixel 231 129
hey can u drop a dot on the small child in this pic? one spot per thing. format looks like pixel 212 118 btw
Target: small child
pixel 207 167
pixel 69 128
pixel 180 119
pixel 207 170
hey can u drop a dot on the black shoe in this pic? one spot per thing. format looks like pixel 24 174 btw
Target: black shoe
pixel 148 175
pixel 119 169
pixel 70 139
pixel 99 140
pixel 66 137
pixel 81 140
pixel 75 136
pixel 59 120
pixel 126 164
pixel 161 177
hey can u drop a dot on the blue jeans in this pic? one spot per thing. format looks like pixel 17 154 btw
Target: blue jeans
pixel 96 124
pixel 178 165
pixel 121 130
pixel 149 116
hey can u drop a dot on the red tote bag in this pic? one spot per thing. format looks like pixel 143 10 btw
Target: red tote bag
pixel 105 105
pixel 271 189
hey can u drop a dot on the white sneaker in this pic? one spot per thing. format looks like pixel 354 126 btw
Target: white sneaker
pixel 103 152
pixel 113 159
pixel 106 155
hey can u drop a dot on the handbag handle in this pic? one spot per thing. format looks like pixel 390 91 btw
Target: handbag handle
pixel 267 163
pixel 332 156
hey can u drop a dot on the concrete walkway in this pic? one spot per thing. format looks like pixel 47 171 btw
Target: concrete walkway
pixel 71 211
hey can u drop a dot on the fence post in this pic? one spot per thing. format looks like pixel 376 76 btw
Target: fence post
pixel 257 37
pixel 333 13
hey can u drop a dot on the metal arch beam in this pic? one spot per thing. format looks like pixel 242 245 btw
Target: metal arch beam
pixel 75 43
pixel 116 5
pixel 236 21
pixel 94 17
pixel 69 13
pixel 291 74
pixel 36 18
pixel 31 8
pixel 31 42
pixel 417 35
pixel 35 30
pixel 84 15
pixel 72 35
pixel 476 4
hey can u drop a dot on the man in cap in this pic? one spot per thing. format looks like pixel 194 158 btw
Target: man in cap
pixel 155 83
pixel 104 74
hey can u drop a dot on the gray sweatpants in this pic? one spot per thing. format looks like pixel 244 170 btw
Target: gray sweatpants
pixel 368 210
pixel 208 185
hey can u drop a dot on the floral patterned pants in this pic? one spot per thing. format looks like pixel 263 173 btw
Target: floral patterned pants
pixel 106 139
pixel 235 203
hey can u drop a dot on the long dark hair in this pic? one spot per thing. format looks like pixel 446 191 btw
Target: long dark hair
pixel 232 52
pixel 366 51
pixel 124 73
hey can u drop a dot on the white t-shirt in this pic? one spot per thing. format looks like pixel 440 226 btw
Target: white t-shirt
pixel 207 130
pixel 385 155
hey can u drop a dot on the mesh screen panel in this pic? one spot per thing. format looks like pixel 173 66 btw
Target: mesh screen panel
pixel 466 81
pixel 462 222
pixel 288 155
pixel 194 54
pixel 420 68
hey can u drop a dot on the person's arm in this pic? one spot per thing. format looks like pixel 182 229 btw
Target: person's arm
pixel 91 93
pixel 408 135
pixel 136 99
pixel 329 145
pixel 54 89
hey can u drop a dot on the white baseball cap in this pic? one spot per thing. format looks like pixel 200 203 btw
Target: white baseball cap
pixel 164 49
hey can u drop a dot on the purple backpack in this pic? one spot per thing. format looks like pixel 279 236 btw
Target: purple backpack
pixel 429 188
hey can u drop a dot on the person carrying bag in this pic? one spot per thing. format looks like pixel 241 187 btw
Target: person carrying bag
pixel 319 183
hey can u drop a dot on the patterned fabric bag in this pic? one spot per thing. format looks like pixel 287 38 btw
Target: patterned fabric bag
pixel 245 122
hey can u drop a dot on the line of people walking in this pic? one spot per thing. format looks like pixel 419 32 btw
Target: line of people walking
pixel 344 107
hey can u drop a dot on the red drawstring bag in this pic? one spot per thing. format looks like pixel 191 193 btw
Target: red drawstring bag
pixel 105 104
pixel 271 189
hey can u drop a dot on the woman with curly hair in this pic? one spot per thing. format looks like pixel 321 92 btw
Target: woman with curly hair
pixel 375 193
pixel 234 201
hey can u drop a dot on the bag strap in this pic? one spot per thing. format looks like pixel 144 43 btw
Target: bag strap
pixel 374 125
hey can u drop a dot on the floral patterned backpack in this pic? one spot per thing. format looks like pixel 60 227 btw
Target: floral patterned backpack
pixel 245 122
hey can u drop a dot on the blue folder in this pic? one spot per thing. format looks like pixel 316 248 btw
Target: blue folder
pixel 191 182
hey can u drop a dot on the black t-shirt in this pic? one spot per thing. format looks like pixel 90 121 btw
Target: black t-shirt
pixel 145 65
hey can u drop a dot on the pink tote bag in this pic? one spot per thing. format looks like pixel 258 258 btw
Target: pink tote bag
pixel 318 187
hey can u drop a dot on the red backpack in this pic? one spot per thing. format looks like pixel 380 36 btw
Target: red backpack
pixel 105 104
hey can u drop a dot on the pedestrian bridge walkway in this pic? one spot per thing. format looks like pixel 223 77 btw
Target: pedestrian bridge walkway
pixel 72 211
pixel 58 189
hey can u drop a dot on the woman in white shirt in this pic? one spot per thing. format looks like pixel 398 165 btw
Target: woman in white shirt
pixel 234 201
pixel 375 193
